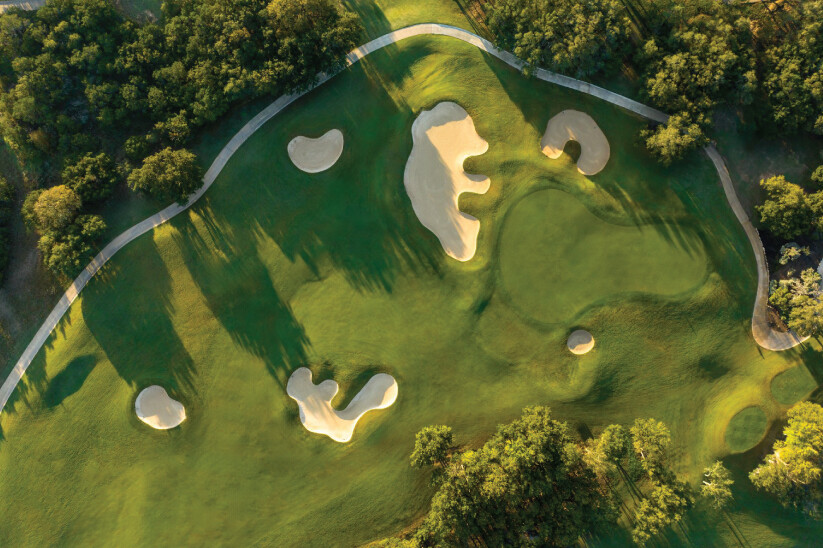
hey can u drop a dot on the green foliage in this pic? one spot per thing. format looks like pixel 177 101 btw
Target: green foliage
pixel 717 485
pixel 529 481
pixel 576 38
pixel 27 210
pixel 799 301
pixel 672 140
pixel 56 208
pixel 651 440
pixel 665 505
pixel 66 251
pixel 168 175
pixel 91 177
pixel 791 252
pixel 432 445
pixel 6 203
pixel 792 472
pixel 786 213
pixel 817 175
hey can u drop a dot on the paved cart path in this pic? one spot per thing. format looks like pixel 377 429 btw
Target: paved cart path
pixel 763 334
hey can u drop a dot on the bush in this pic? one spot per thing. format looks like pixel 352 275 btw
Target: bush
pixel 56 208
pixel 168 175
pixel 67 251
pixel 92 177
pixel 786 213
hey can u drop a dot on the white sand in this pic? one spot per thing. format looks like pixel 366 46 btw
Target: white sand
pixel 573 125
pixel 580 342
pixel 157 409
pixel 317 414
pixel 443 138
pixel 316 155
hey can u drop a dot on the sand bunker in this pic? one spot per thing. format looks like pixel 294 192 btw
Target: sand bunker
pixel 157 409
pixel 317 414
pixel 316 155
pixel 443 138
pixel 573 125
pixel 580 342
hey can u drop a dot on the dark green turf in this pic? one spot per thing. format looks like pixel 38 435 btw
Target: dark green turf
pixel 791 386
pixel 275 269
pixel 746 429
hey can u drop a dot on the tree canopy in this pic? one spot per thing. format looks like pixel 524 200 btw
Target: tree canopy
pixel 792 472
pixel 168 175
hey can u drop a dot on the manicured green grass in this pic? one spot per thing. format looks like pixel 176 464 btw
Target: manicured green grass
pixel 746 429
pixel 577 259
pixel 791 386
pixel 275 269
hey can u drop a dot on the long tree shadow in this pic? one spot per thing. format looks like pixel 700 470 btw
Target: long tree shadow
pixel 69 380
pixel 135 328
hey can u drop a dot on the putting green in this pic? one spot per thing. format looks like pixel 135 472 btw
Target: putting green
pixel 791 386
pixel 275 269
pixel 746 429
pixel 557 257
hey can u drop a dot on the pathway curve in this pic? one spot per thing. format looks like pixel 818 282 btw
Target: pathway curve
pixel 763 334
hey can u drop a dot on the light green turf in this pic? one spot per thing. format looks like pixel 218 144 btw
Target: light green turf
pixel 746 429
pixel 275 269
pixel 580 259
pixel 793 385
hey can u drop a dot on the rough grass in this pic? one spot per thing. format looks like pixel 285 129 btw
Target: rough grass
pixel 275 269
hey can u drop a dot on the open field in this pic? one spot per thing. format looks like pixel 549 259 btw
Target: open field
pixel 275 269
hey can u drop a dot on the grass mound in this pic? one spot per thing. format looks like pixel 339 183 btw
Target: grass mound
pixel 746 429
pixel 791 386
pixel 557 257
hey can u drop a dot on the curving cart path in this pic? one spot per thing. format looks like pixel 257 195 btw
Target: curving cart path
pixel 763 334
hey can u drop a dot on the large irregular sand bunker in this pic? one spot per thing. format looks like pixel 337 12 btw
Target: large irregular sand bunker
pixel 317 414
pixel 443 138
pixel 573 125
pixel 316 155
pixel 157 409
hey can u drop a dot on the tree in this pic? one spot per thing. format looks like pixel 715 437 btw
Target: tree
pixel 792 472
pixel 786 212
pixel 603 453
pixel 91 177
pixel 67 251
pixel 665 505
pixel 800 302
pixel 717 485
pixel 791 252
pixel 817 175
pixel 168 175
pixel 432 446
pixel 56 208
pixel 529 481
pixel 575 38
pixel 651 440
pixel 670 141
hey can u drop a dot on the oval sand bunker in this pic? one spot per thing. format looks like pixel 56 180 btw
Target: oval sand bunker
pixel 573 125
pixel 580 342
pixel 317 414
pixel 157 409
pixel 434 178
pixel 316 155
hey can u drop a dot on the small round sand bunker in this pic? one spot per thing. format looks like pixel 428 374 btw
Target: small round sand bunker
pixel 316 155
pixel 156 408
pixel 573 125
pixel 580 342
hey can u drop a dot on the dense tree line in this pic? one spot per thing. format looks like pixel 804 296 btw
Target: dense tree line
pixel 535 483
pixel 691 55
pixel 6 211
pixel 87 96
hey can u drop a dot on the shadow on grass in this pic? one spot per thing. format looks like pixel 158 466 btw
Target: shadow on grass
pixel 69 380
pixel 135 328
